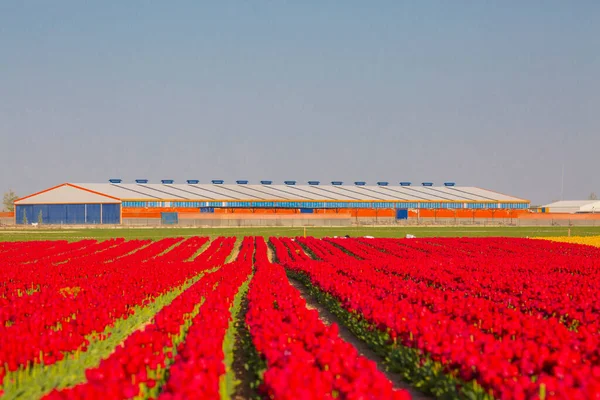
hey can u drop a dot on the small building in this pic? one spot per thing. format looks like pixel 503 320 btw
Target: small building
pixel 593 208
pixel 572 206
pixel 68 204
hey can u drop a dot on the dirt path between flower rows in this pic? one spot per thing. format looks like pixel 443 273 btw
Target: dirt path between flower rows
pixel 270 254
pixel 329 318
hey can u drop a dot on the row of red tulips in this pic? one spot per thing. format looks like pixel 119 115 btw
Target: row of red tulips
pixel 462 317
pixel 501 313
pixel 473 336
pixel 185 338
pixel 553 278
pixel 79 299
pixel 199 365
pixel 305 358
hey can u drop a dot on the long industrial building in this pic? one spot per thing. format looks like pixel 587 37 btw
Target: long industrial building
pixel 116 202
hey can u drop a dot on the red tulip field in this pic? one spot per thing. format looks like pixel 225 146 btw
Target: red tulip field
pixel 473 318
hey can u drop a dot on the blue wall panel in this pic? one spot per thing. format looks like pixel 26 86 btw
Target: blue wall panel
pixel 169 218
pixel 92 214
pixel 75 214
pixel 21 211
pixel 401 213
pixel 111 213
pixel 69 214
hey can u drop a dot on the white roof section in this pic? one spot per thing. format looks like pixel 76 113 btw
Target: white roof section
pixel 569 203
pixel 67 194
pixel 277 192
pixel 569 206
pixel 591 207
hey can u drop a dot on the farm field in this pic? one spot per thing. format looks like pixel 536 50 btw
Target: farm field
pixel 220 317
pixel 74 234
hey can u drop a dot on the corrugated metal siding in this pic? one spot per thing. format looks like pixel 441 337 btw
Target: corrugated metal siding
pixel 92 214
pixel 206 192
pixel 69 214
pixel 75 214
pixel 111 213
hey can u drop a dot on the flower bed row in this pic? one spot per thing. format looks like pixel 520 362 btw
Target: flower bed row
pixel 184 338
pixel 305 359
pixel 506 351
pixel 82 304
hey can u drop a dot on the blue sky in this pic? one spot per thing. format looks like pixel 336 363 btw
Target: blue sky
pixel 490 94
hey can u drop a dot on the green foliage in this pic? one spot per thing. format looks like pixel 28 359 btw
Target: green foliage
pixel 8 201
pixel 40 219
pixel 415 367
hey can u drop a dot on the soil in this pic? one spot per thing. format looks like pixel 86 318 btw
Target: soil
pixel 242 358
